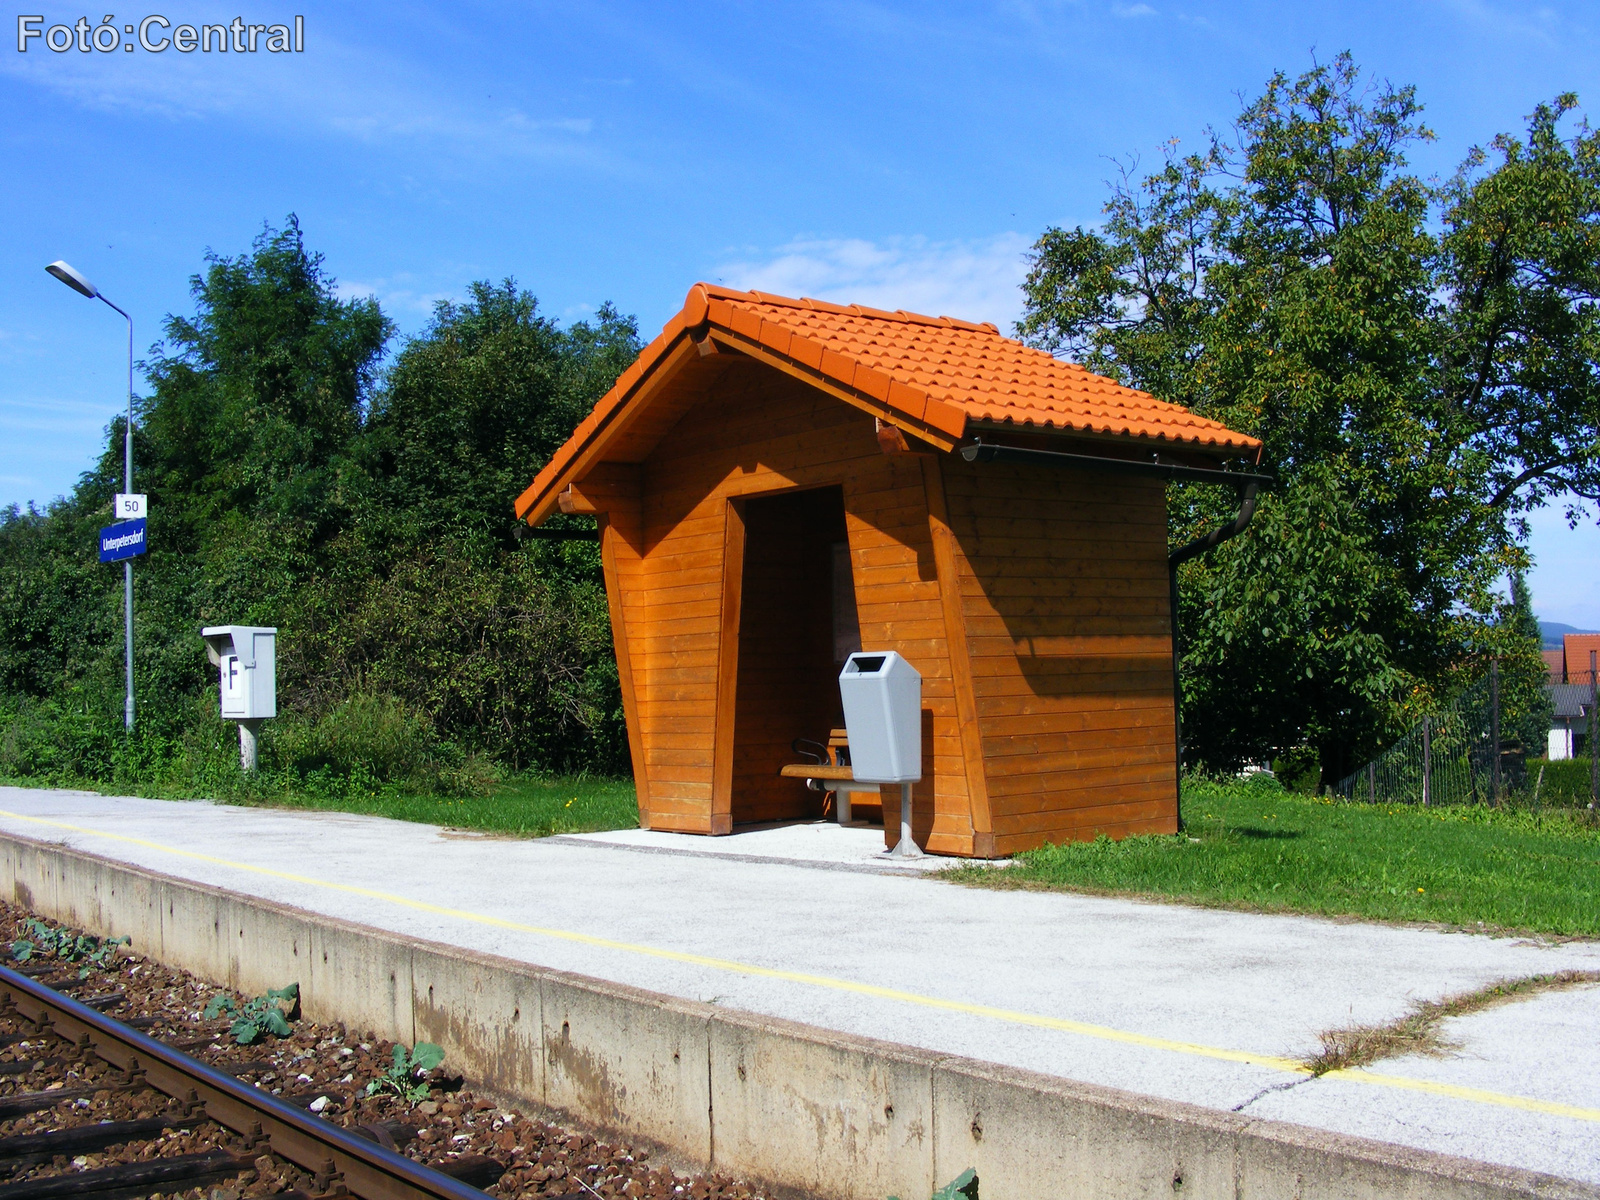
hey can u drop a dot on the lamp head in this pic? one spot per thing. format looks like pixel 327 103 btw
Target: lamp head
pixel 70 276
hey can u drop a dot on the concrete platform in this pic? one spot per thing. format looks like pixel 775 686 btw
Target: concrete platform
pixel 820 844
pixel 1201 1006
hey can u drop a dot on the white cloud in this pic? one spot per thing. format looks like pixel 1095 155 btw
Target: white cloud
pixel 1132 10
pixel 62 437
pixel 345 90
pixel 975 279
pixel 1539 24
pixel 59 417
pixel 402 293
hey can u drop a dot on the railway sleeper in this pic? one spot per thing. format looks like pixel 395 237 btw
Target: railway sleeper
pixel 288 1155
pixel 132 1179
pixel 475 1170
pixel 83 1138
pixel 23 1103
pixel 26 1066
pixel 332 1154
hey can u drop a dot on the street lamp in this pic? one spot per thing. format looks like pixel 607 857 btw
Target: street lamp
pixel 74 280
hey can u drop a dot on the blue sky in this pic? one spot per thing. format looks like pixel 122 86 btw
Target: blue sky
pixel 899 155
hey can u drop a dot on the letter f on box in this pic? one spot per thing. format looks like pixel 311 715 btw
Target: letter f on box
pixel 28 27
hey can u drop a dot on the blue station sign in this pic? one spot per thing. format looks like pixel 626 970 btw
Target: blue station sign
pixel 123 540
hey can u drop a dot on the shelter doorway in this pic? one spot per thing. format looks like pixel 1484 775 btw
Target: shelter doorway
pixel 797 624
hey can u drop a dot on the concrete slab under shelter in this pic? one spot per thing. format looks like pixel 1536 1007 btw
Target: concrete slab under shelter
pixel 801 923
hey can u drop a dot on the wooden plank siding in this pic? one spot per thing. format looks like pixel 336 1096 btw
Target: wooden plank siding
pixel 1033 601
pixel 619 534
pixel 758 432
pixel 1063 595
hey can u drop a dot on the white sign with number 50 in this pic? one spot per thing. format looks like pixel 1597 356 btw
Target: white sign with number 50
pixel 132 505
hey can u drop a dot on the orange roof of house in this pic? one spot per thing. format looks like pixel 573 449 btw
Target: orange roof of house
pixel 933 376
pixel 1575 648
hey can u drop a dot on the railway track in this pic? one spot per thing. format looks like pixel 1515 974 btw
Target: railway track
pixel 92 1060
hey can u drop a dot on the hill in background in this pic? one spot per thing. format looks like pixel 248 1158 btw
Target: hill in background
pixel 1551 633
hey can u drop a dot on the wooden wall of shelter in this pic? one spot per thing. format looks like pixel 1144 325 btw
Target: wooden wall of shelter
pixel 1033 601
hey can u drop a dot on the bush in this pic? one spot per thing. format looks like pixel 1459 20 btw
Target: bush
pixel 1566 781
pixel 363 746
pixel 53 740
pixel 367 743
pixel 1299 770
pixel 510 656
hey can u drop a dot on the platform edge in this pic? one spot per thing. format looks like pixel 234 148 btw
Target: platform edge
pixel 828 1114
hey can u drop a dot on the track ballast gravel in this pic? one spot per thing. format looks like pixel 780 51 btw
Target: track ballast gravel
pixel 325 1068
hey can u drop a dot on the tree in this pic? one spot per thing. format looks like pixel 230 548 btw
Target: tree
pixel 262 389
pixel 1419 363
pixel 364 512
pixel 1519 363
pixel 1528 709
pixel 428 594
pixel 490 389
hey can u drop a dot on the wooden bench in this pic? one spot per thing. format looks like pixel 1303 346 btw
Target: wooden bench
pixel 837 777
pixel 820 771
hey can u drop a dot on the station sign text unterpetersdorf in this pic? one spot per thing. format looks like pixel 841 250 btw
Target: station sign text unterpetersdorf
pixel 123 540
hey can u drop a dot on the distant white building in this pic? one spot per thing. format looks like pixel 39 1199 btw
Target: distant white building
pixel 1570 720
pixel 1571 689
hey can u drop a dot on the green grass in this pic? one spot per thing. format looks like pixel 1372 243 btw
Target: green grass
pixel 1254 846
pixel 519 806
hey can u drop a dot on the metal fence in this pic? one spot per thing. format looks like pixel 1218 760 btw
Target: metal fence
pixel 1449 757
pixel 1458 756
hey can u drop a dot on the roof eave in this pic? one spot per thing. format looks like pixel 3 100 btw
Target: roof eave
pixel 1233 445
pixel 608 418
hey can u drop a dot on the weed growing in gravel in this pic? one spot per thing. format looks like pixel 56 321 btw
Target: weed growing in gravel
pixel 963 1187
pixel 68 945
pixel 262 1015
pixel 1418 1032
pixel 406 1076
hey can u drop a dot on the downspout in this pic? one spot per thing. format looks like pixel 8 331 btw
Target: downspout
pixel 1248 492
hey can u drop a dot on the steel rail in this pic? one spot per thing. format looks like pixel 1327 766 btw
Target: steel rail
pixel 329 1152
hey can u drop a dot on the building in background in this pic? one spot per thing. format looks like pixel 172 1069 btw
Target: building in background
pixel 1571 688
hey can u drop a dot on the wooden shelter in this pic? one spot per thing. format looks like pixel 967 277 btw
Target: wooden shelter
pixel 781 481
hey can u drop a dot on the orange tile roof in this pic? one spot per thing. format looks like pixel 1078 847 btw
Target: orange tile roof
pixel 1575 649
pixel 932 375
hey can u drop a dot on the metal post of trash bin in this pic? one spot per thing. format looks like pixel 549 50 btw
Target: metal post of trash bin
pixel 906 847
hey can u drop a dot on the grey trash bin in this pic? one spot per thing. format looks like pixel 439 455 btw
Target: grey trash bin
pixel 882 696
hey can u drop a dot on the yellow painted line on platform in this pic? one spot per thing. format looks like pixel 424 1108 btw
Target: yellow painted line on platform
pixel 1060 1024
pixel 1457 1092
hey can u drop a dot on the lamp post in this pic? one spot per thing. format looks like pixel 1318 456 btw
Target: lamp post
pixel 75 280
